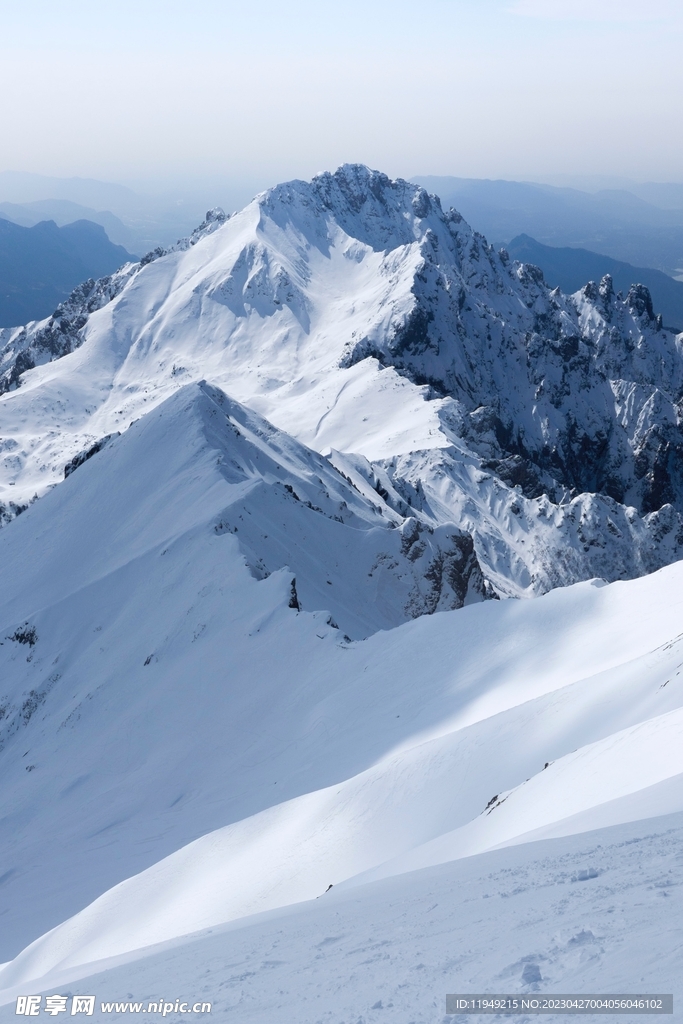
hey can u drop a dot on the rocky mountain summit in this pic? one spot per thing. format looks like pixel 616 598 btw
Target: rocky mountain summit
pixel 578 393
pixel 356 314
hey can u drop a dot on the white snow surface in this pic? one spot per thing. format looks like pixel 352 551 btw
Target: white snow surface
pixel 170 704
pixel 597 912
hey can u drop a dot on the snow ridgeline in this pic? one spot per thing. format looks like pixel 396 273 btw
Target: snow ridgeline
pixel 266 532
pixel 42 341
pixel 201 746
pixel 356 315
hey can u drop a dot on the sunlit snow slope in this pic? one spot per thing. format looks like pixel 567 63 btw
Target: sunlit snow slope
pixel 156 688
pixel 598 912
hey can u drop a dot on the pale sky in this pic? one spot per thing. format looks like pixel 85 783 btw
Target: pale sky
pixel 482 88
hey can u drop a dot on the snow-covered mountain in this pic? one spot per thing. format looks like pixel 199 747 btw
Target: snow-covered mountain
pixel 167 708
pixel 263 459
pixel 356 315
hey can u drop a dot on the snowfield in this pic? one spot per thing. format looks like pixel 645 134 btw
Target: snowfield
pixel 162 691
pixel 255 642
pixel 597 913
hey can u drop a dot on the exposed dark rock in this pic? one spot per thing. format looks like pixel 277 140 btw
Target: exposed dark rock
pixel 25 634
pixel 639 301
pixel 83 456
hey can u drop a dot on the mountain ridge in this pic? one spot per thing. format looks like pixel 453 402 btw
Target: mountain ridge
pixel 642 227
pixel 358 316
pixel 570 268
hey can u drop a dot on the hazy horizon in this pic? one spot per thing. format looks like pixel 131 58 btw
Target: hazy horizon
pixel 158 185
pixel 557 91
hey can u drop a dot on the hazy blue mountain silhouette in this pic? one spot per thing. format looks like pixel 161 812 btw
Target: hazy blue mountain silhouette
pixel 614 222
pixel 41 265
pixel 63 211
pixel 571 269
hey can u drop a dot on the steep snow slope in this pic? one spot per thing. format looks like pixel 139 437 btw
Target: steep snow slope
pixel 323 527
pixel 292 851
pixel 158 542
pixel 156 689
pixel 355 314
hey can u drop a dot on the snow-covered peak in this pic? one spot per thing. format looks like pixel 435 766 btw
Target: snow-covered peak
pixel 367 205
pixel 358 316
pixel 202 455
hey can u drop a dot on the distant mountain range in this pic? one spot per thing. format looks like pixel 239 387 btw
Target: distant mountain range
pixel 641 224
pixel 642 231
pixel 138 221
pixel 41 265
pixel 63 211
pixel 570 269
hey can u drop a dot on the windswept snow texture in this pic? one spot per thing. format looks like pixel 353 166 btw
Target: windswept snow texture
pixel 594 913
pixel 355 314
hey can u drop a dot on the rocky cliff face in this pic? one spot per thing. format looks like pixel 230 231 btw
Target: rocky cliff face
pixel 561 393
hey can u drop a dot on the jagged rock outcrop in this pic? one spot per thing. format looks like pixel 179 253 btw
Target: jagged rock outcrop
pixel 23 348
pixel 584 392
